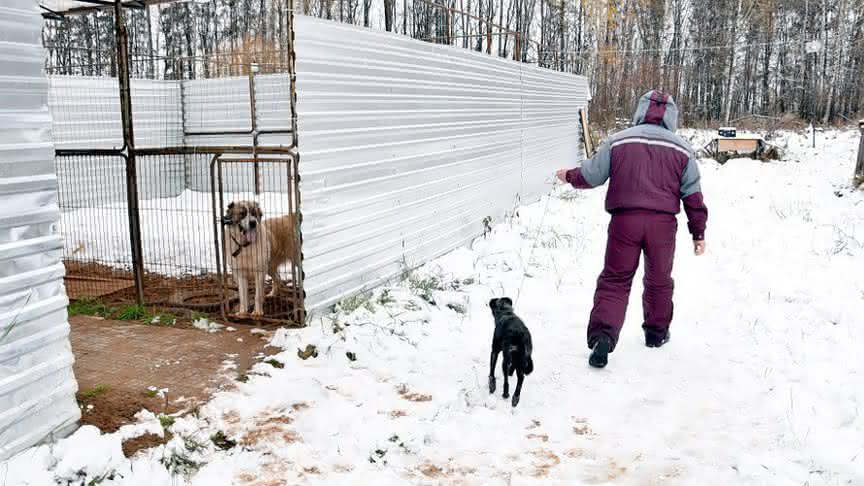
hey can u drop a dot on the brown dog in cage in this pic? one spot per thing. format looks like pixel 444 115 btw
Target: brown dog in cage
pixel 256 248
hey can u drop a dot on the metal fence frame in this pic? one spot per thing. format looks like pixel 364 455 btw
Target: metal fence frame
pixel 130 154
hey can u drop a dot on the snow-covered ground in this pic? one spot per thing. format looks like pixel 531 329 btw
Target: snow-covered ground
pixel 761 384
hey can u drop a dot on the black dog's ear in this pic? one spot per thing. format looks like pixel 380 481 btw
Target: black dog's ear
pixel 231 206
pixel 507 301
pixel 493 303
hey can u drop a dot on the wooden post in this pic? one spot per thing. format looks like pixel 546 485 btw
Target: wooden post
pixel 586 135
pixel 859 167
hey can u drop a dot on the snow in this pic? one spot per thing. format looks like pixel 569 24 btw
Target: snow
pixel 760 384
pixel 207 325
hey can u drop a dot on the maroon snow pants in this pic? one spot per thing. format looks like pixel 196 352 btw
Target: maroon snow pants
pixel 632 233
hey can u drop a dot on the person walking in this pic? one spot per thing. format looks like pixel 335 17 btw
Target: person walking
pixel 651 171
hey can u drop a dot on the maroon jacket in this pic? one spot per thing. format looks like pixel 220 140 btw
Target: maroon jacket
pixel 649 166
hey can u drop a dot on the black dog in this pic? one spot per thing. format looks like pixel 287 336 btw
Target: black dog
pixel 513 339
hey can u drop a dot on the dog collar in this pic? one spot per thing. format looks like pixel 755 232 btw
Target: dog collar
pixel 240 246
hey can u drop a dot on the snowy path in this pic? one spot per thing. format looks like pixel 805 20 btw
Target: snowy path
pixel 761 384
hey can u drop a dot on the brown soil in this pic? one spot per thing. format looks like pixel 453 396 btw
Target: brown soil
pixel 146 441
pixel 181 296
pixel 116 362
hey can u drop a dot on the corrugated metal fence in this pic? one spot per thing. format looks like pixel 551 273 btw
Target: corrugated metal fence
pixel 37 387
pixel 405 146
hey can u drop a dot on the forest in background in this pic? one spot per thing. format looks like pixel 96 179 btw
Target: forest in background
pixel 724 62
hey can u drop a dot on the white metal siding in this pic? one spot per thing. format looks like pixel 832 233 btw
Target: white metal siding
pixel 406 146
pixel 37 387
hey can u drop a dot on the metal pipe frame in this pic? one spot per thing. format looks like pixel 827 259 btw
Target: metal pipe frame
pixel 122 37
pixel 217 186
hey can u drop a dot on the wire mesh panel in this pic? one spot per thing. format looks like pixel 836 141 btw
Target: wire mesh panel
pixel 94 224
pixel 259 239
pixel 176 235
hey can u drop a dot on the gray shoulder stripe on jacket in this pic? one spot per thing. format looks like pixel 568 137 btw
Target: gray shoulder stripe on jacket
pixel 651 141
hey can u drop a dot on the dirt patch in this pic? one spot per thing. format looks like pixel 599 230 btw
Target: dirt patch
pixel 533 425
pixel 546 460
pixel 407 394
pixel 433 471
pixel 269 434
pixel 146 441
pixel 540 437
pixel 123 367
pixel 397 414
pixel 114 407
pixel 581 427
pixel 270 428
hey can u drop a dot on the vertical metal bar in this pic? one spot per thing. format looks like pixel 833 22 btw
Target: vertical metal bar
pixel 859 167
pixel 294 189
pixel 122 37
pixel 221 243
pixel 218 211
pixel 254 119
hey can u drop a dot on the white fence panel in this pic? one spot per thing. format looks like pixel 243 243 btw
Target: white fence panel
pixel 37 387
pixel 407 146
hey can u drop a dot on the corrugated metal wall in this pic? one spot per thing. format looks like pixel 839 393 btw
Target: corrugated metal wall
pixel 406 146
pixel 37 387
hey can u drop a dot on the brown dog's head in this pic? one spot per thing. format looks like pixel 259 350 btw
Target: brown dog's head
pixel 244 217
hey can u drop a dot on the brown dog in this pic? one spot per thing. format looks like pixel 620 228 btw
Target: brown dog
pixel 256 248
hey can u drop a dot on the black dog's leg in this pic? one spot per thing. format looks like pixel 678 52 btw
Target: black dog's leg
pixel 516 393
pixel 492 362
pixel 505 367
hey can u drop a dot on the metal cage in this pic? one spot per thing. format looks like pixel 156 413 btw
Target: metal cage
pixel 130 236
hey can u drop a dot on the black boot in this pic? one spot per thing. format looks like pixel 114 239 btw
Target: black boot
pixel 600 352
pixel 655 339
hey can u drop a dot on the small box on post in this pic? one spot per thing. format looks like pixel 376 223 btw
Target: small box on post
pixel 727 132
pixel 859 167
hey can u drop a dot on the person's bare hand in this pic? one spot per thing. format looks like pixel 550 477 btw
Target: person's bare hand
pixel 699 247
pixel 561 174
